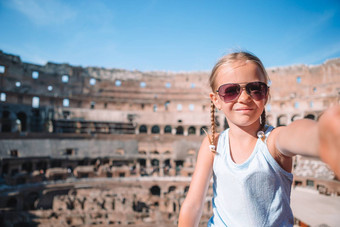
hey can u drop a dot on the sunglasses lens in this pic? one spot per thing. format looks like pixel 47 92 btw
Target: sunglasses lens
pixel 229 92
pixel 257 90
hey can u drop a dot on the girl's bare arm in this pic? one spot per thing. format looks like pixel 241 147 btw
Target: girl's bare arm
pixel 313 138
pixel 329 138
pixel 191 209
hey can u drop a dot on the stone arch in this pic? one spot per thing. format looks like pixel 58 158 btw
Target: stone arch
pixel 155 129
pixel 310 116
pixel 202 130
pixel 191 130
pixel 167 129
pixel 179 130
pixel 172 188
pixel 154 152
pixel 281 120
pixel 143 129
pixel 155 190
pixel 167 162
pixel 155 162
pixel 295 117
pixel 142 162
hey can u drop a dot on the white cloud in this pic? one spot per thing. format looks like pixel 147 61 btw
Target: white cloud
pixel 41 12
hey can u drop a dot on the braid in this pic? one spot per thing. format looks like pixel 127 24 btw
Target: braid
pixel 261 132
pixel 263 120
pixel 212 119
pixel 213 129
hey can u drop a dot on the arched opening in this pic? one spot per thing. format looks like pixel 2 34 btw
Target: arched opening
pixel 155 129
pixel 142 152
pixel 202 130
pixel 179 166
pixel 310 116
pixel 167 129
pixel 166 105
pixel 155 162
pixel 27 166
pixel 166 166
pixel 179 130
pixel 23 121
pixel 295 117
pixel 155 190
pixel 154 152
pixel 6 122
pixel 192 130
pixel 167 162
pixel 281 121
pixel 143 129
pixel 36 121
pixel 12 203
pixel 186 189
pixel 155 166
pixel 142 163
pixel 30 201
pixel 41 165
pixel 171 189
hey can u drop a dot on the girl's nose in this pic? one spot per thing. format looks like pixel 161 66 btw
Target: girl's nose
pixel 244 95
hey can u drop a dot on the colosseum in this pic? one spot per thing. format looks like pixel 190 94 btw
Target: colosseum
pixel 90 146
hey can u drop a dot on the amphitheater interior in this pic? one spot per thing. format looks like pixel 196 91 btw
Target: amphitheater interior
pixel 90 146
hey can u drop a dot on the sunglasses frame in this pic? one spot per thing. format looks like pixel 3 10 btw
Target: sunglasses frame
pixel 246 88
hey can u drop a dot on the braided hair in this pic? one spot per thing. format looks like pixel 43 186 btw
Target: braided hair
pixel 213 127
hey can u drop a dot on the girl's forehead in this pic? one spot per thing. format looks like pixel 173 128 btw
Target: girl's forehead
pixel 239 72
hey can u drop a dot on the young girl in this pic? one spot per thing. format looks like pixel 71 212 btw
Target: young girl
pixel 250 162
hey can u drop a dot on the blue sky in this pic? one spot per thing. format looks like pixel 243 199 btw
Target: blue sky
pixel 169 35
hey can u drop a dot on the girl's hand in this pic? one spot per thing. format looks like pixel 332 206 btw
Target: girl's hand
pixel 329 138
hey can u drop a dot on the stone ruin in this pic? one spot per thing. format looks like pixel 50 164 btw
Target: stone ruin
pixel 112 147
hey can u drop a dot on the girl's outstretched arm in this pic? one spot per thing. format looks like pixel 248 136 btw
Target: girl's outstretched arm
pixel 329 134
pixel 191 209
pixel 313 138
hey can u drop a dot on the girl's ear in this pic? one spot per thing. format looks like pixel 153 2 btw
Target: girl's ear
pixel 217 102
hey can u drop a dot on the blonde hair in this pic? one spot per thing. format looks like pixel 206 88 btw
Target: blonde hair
pixel 229 60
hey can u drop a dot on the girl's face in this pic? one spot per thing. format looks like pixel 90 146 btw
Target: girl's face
pixel 244 110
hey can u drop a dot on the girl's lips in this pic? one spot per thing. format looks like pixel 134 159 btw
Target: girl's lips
pixel 243 109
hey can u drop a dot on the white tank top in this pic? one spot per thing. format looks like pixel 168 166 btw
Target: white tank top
pixel 254 193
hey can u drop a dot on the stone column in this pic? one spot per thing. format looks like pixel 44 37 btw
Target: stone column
pixel 138 169
pixel 185 130
pixel 148 165
pixel 161 129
